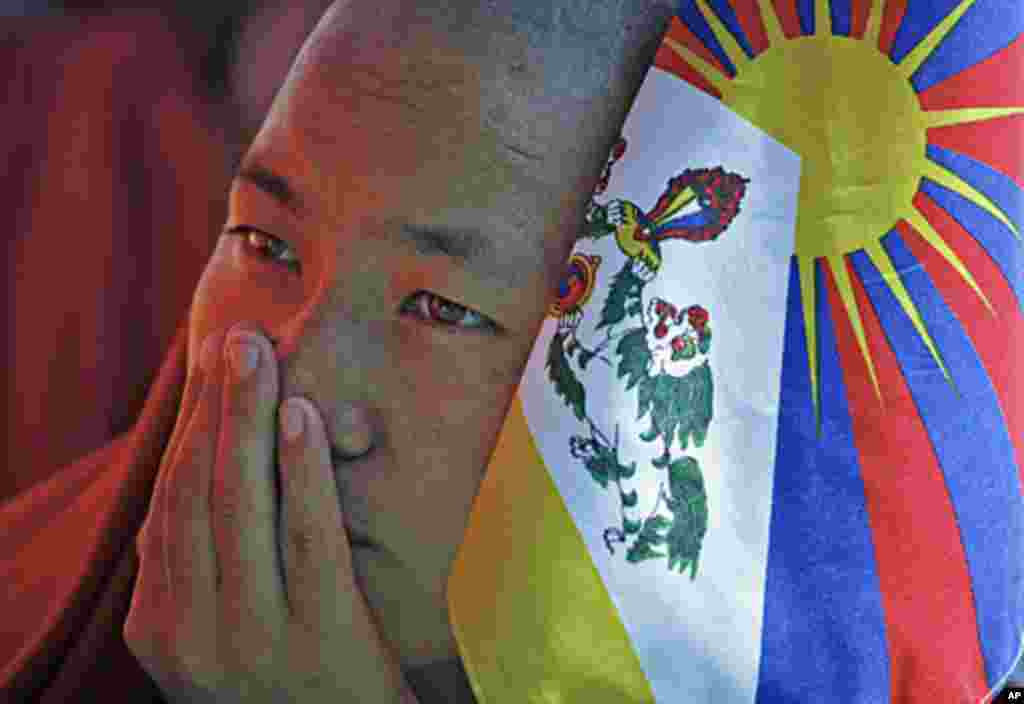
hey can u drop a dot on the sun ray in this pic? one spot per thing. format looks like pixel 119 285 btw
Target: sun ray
pixel 948 179
pixel 772 25
pixel 710 73
pixel 942 118
pixel 808 293
pixel 874 112
pixel 884 264
pixel 726 40
pixel 837 263
pixel 874 27
pixel 925 229
pixel 822 15
pixel 917 56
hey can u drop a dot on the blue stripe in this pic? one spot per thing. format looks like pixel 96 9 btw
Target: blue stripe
pixel 805 10
pixel 842 18
pixel 690 220
pixel 728 16
pixel 824 630
pixel 691 16
pixel 996 238
pixel 987 27
pixel 919 19
pixel 1002 189
pixel 967 429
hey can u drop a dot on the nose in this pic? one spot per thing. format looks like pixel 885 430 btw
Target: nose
pixel 332 357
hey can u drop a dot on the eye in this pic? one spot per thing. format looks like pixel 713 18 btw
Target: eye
pixel 266 247
pixel 434 308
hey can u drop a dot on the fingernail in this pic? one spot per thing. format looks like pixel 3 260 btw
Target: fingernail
pixel 355 435
pixel 292 418
pixel 244 352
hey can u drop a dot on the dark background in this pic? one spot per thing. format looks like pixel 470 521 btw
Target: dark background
pixel 121 125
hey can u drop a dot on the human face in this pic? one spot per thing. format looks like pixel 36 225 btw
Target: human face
pixel 380 181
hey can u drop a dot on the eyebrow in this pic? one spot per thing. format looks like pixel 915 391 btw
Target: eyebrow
pixel 274 185
pixel 467 247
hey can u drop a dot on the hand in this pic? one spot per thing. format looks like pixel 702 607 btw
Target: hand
pixel 241 595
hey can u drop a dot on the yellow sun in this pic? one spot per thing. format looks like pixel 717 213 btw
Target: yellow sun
pixel 856 122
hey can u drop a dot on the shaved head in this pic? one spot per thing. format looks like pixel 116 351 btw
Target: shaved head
pixel 544 85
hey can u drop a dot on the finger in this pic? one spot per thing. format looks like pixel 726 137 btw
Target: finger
pixel 152 585
pixel 243 499
pixel 188 544
pixel 354 436
pixel 189 401
pixel 201 371
pixel 322 595
pixel 143 629
pixel 315 555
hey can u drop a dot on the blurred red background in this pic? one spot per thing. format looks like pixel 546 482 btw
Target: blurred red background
pixel 120 130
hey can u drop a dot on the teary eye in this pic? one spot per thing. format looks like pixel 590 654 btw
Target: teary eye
pixel 435 308
pixel 423 304
pixel 266 247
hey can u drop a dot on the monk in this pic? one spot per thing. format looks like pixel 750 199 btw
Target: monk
pixel 280 522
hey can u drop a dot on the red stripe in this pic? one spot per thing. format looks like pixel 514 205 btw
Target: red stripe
pixel 998 142
pixel 859 11
pixel 996 81
pixel 997 340
pixel 891 20
pixel 679 31
pixel 749 16
pixel 670 61
pixel 788 18
pixel 930 620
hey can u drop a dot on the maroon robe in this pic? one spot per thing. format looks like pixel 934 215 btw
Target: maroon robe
pixel 69 563
pixel 115 188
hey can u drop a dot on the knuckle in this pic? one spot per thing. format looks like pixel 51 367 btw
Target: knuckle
pixel 180 564
pixel 302 542
pixel 242 400
pixel 248 407
pixel 230 509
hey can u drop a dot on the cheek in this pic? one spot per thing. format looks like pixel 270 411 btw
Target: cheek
pixel 441 463
pixel 457 398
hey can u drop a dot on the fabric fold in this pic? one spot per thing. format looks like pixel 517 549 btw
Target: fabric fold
pixel 62 632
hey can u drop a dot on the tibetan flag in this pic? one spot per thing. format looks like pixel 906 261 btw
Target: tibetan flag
pixel 769 444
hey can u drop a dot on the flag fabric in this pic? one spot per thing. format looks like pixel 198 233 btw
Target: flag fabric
pixel 769 444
